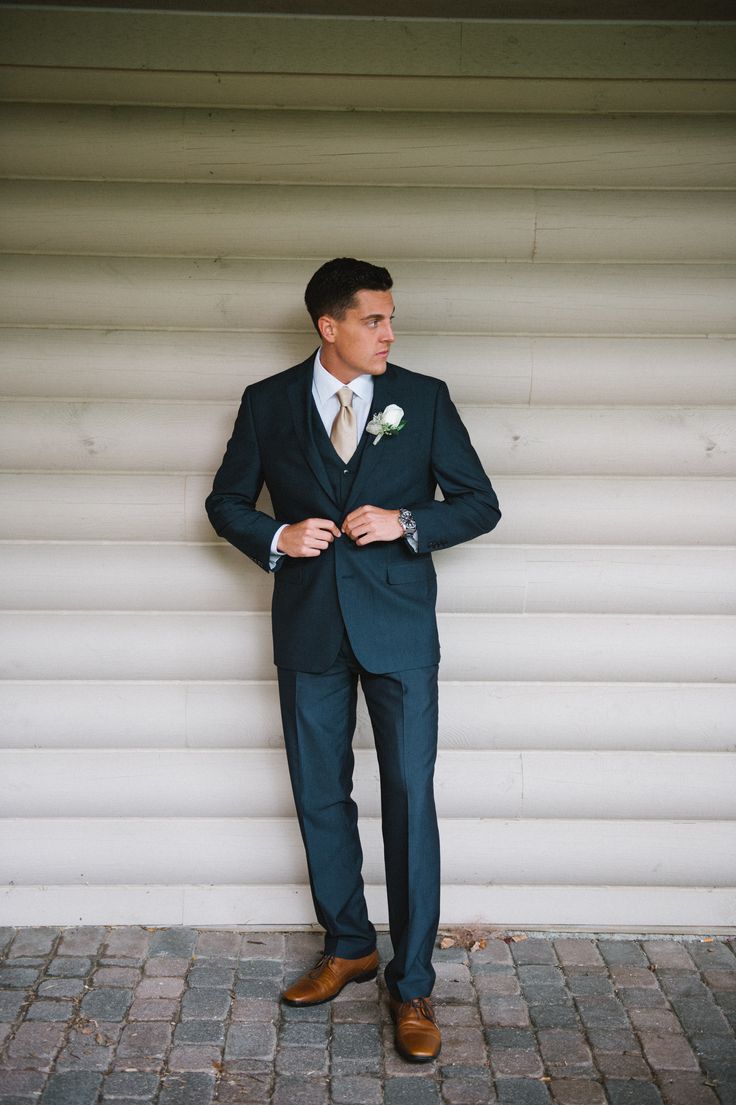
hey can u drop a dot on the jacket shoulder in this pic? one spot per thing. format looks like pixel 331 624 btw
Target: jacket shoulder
pixel 411 378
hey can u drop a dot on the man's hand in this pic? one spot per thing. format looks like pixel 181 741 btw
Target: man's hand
pixel 308 538
pixel 372 523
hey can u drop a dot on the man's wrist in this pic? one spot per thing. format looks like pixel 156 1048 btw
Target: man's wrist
pixel 275 550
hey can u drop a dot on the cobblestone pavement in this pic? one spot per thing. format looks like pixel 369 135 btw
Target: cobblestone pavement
pixel 179 1016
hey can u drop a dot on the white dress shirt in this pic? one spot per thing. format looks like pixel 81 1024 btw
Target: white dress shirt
pixel 325 387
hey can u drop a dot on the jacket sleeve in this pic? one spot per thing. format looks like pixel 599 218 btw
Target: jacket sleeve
pixel 470 505
pixel 231 505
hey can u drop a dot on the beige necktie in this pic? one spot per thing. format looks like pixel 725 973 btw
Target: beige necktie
pixel 344 433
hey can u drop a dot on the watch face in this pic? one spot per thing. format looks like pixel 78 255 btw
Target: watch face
pixel 407 521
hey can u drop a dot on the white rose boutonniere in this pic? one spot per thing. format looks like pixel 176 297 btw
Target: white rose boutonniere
pixel 386 422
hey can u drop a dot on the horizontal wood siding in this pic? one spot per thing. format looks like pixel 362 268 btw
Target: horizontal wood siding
pixel 569 272
pixel 516 579
pixel 216 645
pixel 474 715
pixel 542 509
pixel 92 142
pixel 525 851
pixel 198 41
pixel 541 369
pixel 189 437
pixel 515 784
pixel 473 224
pixel 210 293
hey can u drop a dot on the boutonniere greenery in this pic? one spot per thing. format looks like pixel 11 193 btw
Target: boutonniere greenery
pixel 386 423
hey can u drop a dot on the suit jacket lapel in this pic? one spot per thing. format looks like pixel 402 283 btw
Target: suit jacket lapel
pixel 300 398
pixel 372 454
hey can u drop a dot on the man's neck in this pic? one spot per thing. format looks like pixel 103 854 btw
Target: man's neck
pixel 335 367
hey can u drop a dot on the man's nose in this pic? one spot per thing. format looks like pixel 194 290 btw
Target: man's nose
pixel 388 333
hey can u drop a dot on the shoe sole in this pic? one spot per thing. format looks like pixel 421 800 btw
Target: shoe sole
pixel 367 977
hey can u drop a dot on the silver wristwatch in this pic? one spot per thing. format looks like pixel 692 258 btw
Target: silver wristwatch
pixel 406 521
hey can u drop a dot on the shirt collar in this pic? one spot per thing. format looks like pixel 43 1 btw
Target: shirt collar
pixel 326 385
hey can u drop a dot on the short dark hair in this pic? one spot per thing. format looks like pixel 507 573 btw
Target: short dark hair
pixel 332 289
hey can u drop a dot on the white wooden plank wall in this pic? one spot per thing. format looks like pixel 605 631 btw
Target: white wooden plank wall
pixel 571 276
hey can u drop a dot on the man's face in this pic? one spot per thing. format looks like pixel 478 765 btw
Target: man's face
pixel 359 342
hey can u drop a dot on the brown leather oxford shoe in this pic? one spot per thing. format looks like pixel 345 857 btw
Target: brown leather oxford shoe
pixel 417 1036
pixel 328 977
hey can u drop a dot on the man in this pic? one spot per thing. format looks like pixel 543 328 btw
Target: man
pixel 356 521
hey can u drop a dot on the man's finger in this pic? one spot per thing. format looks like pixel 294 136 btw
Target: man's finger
pixel 323 526
pixel 356 515
pixel 353 524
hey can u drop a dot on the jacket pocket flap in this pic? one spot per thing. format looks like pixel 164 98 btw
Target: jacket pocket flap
pixel 420 570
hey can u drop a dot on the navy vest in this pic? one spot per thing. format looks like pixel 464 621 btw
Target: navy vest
pixel 342 475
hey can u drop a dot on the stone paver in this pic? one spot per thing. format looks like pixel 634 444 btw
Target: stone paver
pixel 93 1015
pixel 291 1090
pixel 668 1052
pixel 564 1050
pixel 80 1087
pixel 553 1016
pixel 236 1087
pixel 356 1090
pixel 613 1064
pixel 688 1089
pixel 633 1093
pixel 505 1011
pixel 577 1091
pixel 522 1091
pixel 218 945
pixel 578 953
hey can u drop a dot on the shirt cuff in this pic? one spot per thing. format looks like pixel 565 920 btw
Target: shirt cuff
pixel 275 553
pixel 412 540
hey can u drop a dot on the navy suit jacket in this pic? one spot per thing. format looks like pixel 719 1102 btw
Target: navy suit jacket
pixel 383 593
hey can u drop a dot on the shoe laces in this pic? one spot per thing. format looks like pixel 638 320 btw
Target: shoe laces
pixel 423 1006
pixel 324 961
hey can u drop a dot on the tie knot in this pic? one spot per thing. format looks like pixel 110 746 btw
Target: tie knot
pixel 345 395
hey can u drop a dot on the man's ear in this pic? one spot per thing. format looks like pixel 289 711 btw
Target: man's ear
pixel 326 327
